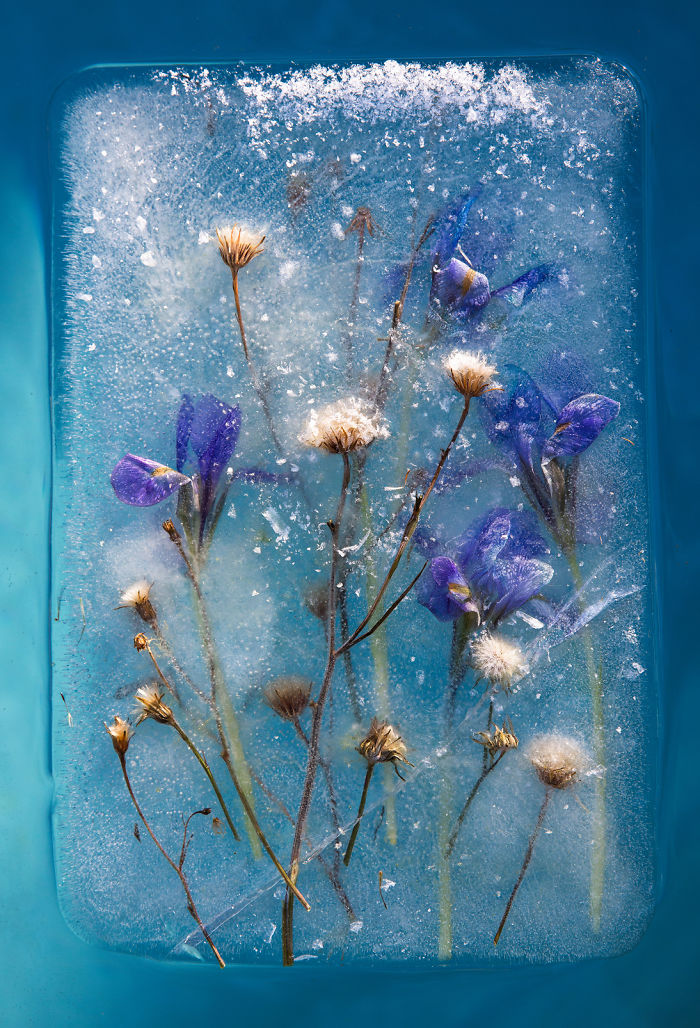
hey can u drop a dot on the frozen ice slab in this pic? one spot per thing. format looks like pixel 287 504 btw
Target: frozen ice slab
pixel 414 216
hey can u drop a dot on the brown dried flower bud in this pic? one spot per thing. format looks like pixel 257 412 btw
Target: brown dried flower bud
pixel 316 600
pixel 288 696
pixel 121 732
pixel 558 760
pixel 383 745
pixel 137 596
pixel 238 247
pixel 498 739
pixel 217 826
pixel 140 642
pixel 150 697
pixel 169 527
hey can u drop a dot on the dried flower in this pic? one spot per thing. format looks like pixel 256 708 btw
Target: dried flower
pixel 217 826
pixel 238 247
pixel 140 642
pixel 497 659
pixel 138 597
pixel 558 760
pixel 383 745
pixel 344 426
pixel 150 697
pixel 121 732
pixel 316 600
pixel 497 740
pixel 470 372
pixel 288 696
pixel 169 528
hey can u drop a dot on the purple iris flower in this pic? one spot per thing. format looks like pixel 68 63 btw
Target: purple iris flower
pixel 459 290
pixel 495 569
pixel 542 433
pixel 205 439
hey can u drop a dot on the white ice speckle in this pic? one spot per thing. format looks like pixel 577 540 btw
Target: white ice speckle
pixel 276 524
pixel 141 223
pixel 148 259
pixel 203 238
pixel 355 158
pixel 85 297
pixel 288 270
pixel 96 262
pixel 356 926
pixel 337 230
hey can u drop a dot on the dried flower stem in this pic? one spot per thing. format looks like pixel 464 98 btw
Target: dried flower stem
pixel 317 717
pixel 170 657
pixel 360 812
pixel 171 688
pixel 408 531
pixel 208 772
pixel 217 689
pixel 465 809
pixel 177 868
pixel 523 869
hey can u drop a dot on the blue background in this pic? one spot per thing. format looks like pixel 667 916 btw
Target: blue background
pixel 49 976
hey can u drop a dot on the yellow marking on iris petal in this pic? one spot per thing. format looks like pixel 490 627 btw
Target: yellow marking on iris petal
pixel 469 277
pixel 560 428
pixel 463 591
pixel 162 469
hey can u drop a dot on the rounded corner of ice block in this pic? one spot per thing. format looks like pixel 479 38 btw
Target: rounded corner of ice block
pixel 628 74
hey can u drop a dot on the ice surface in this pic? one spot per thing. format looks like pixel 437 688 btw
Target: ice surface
pixel 149 164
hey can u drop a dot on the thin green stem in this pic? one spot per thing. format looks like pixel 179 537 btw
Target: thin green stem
pixel 208 772
pixel 360 812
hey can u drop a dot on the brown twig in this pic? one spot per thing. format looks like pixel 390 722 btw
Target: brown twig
pixel 523 869
pixel 177 868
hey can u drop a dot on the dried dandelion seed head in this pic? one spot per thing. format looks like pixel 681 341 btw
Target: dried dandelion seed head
pixel 558 760
pixel 470 372
pixel 140 642
pixel 497 740
pixel 344 426
pixel 150 700
pixel 238 246
pixel 383 745
pixel 288 696
pixel 496 658
pixel 137 596
pixel 121 732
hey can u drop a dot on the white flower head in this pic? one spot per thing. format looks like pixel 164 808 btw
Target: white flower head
pixel 121 732
pixel 343 426
pixel 150 700
pixel 496 658
pixel 470 372
pixel 137 596
pixel 558 760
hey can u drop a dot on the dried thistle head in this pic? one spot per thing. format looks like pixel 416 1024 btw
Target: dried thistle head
pixel 150 700
pixel 558 760
pixel 238 247
pixel 496 658
pixel 137 596
pixel 140 642
pixel 288 696
pixel 470 372
pixel 344 426
pixel 498 740
pixel 383 745
pixel 316 600
pixel 121 732
pixel 362 221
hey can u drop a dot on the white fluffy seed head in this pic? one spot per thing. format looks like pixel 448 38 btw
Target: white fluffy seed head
pixel 343 426
pixel 135 594
pixel 558 760
pixel 150 700
pixel 496 658
pixel 470 372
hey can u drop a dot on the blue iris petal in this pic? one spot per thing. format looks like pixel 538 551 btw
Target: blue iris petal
pixel 143 482
pixel 514 581
pixel 450 226
pixel 434 592
pixel 580 422
pixel 183 431
pixel 521 289
pixel 213 436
